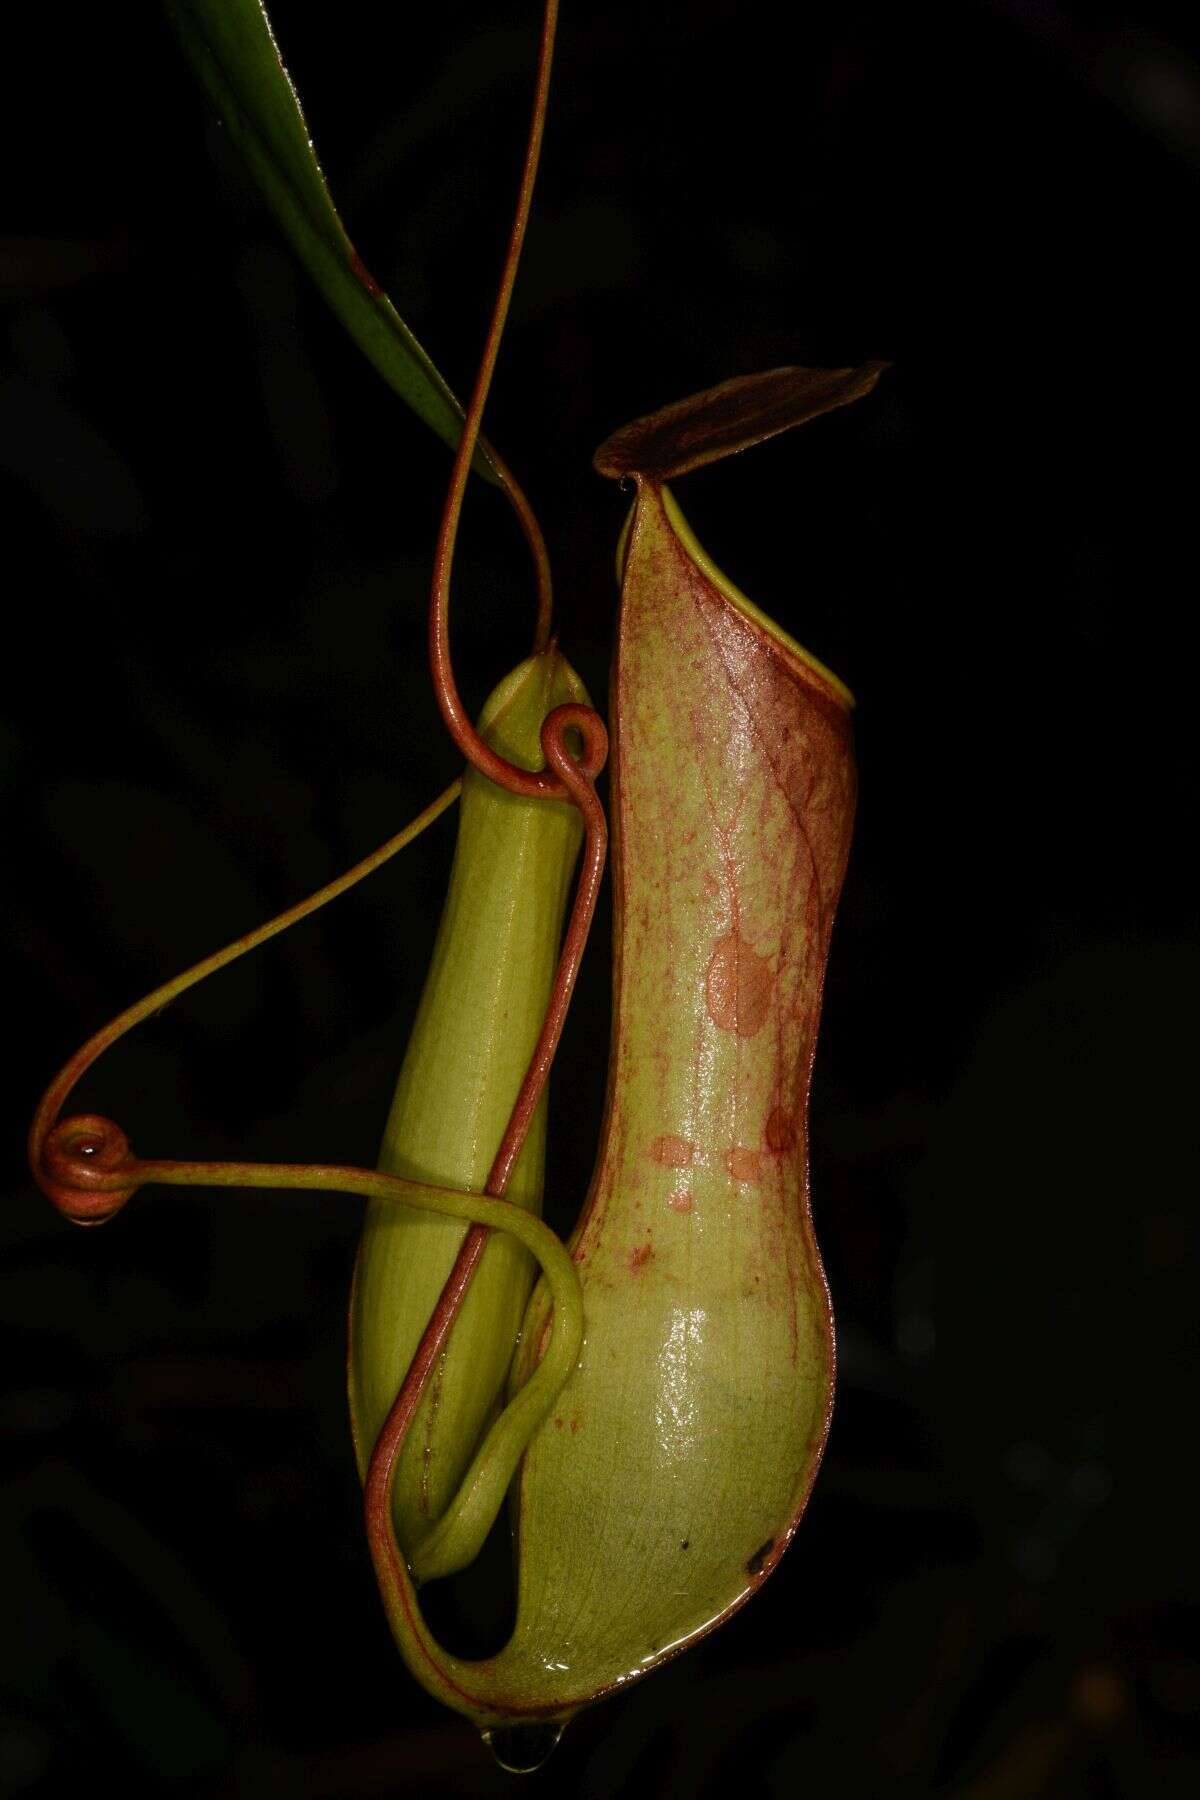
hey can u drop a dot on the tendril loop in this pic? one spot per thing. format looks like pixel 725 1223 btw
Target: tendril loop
pixel 84 1163
pixel 87 1169
pixel 555 783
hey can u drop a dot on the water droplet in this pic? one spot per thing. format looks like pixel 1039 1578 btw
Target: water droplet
pixel 520 1749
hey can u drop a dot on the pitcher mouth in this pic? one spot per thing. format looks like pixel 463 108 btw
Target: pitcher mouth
pixel 832 684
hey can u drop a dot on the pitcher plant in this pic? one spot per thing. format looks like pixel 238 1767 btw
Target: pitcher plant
pixel 653 1396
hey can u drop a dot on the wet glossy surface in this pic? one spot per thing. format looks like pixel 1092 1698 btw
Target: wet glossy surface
pixel 480 1013
pixel 669 1479
pixel 670 1475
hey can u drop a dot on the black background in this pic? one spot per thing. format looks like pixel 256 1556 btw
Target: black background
pixel 217 531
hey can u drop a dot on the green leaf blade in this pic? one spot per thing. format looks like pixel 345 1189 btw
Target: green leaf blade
pixel 232 49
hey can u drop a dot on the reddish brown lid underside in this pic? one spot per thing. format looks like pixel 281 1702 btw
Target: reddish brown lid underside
pixel 728 418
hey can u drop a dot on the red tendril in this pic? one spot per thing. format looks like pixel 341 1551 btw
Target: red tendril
pixel 563 778
pixel 84 1163
pixel 541 784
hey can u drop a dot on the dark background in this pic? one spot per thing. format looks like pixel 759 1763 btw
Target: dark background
pixel 217 525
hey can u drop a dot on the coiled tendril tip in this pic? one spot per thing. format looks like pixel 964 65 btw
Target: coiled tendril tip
pixel 87 1170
